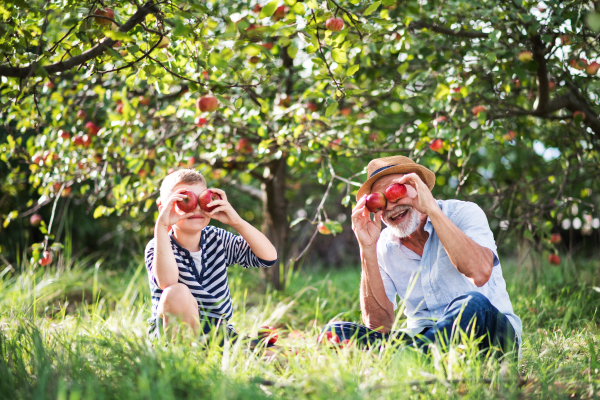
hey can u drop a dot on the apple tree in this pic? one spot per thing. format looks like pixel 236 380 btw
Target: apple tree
pixel 101 99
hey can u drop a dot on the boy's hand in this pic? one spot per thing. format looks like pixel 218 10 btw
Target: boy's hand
pixel 168 214
pixel 224 212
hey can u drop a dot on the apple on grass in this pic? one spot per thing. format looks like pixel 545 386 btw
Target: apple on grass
pixel 35 220
pixel 268 334
pixel 206 197
pixel 395 192
pixel 207 104
pixel 189 203
pixel 334 24
pixel 328 338
pixel 375 202
pixel 554 259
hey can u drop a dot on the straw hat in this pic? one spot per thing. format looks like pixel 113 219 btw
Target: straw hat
pixel 394 165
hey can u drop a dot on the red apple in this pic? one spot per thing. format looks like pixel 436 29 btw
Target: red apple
pixel 456 89
pixel 189 203
pixel 78 140
pixel 592 68
pixel 257 8
pixel 375 202
pixel 199 121
pixel 436 144
pixel 206 197
pixel 509 136
pixel 576 113
pixel 92 128
pixel 335 144
pixel 120 107
pixel 328 338
pixel 346 111
pixel 164 42
pixel 555 238
pixel 554 259
pixel 323 230
pixel 81 114
pixel 267 46
pixel 243 146
pixel 64 135
pixel 396 37
pixel 565 40
pixel 478 109
pixel 280 13
pixel 268 334
pixel 254 60
pixel 66 192
pixel 285 101
pixel 439 120
pixel 526 56
pixel 104 13
pixel 87 140
pixel 346 343
pixel 552 85
pixel 580 64
pixel 46 258
pixel 207 103
pixel 312 106
pixel 35 220
pixel 395 192
pixel 144 100
pixel 334 24
pixel 50 85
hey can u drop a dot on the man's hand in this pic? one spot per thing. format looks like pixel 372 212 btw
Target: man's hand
pixel 423 202
pixel 169 214
pixel 366 231
pixel 224 212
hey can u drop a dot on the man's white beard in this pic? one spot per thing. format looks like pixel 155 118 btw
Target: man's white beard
pixel 406 227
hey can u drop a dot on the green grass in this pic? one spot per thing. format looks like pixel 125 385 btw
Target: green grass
pixel 78 331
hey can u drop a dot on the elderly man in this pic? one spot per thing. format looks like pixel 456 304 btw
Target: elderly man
pixel 438 256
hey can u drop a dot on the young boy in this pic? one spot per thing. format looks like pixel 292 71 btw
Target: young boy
pixel 187 265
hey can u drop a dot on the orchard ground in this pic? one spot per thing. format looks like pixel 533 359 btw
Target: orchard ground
pixel 77 330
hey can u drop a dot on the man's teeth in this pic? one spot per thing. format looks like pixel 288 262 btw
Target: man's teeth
pixel 401 213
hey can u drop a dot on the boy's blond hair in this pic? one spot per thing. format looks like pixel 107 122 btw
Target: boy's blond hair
pixel 188 176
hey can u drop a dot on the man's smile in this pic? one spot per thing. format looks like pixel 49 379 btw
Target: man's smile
pixel 398 215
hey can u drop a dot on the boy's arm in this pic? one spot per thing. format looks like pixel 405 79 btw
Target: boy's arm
pixel 164 264
pixel 258 242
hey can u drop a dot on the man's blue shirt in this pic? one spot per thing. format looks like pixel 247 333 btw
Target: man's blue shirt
pixel 429 283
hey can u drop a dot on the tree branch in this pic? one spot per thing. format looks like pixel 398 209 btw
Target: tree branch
pixel 139 16
pixel 447 31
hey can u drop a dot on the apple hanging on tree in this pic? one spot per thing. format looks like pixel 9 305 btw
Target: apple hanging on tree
pixel 104 13
pixel 555 238
pixel 64 135
pixel 207 104
pixel 35 220
pixel 164 43
pixel 81 114
pixel 46 258
pixel 334 24
pixel 199 121
pixel 436 144
pixel 554 259
pixel 323 229
pixel 478 109
pixel 525 56
pixel 592 68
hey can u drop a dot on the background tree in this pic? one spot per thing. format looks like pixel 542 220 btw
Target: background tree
pixel 101 99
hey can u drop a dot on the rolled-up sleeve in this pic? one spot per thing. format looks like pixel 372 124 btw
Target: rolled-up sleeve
pixel 388 283
pixel 238 251
pixel 472 221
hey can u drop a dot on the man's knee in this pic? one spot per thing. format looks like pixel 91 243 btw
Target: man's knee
pixel 471 300
pixel 176 300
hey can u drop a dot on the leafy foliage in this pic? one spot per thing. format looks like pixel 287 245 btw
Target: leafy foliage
pixel 298 102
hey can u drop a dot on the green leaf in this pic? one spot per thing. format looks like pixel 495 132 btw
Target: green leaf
pixel 352 70
pixel 269 9
pixel 116 35
pixel 371 9
pixel 331 109
pixel 99 211
pixel 593 21
pixel 339 56
pixel 334 226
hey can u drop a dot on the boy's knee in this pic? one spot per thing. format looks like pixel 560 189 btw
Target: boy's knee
pixel 176 299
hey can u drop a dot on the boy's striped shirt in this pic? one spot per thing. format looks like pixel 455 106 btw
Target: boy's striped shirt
pixel 220 249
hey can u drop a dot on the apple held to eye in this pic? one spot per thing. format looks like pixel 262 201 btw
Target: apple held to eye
pixel 189 203
pixel 375 202
pixel 206 197
pixel 395 192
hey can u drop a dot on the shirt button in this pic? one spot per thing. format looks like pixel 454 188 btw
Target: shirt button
pixel 193 265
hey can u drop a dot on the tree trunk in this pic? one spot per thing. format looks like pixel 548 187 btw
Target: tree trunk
pixel 275 224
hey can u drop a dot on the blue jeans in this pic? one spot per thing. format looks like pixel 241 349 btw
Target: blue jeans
pixel 473 311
